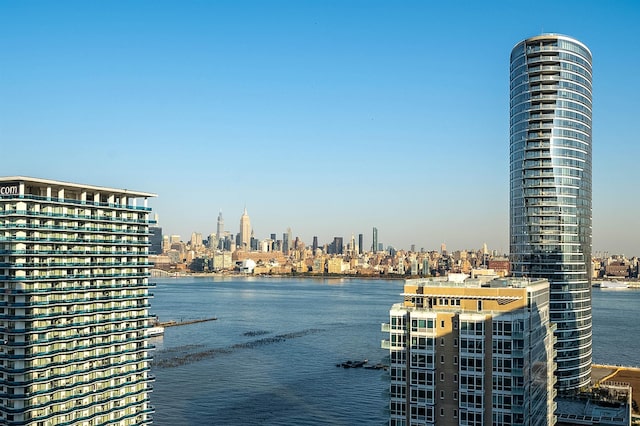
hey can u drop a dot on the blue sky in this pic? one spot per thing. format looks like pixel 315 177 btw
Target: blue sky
pixel 328 117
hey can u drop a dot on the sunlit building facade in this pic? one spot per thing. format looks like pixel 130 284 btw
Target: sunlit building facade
pixel 468 353
pixel 74 304
pixel 550 200
pixel 245 231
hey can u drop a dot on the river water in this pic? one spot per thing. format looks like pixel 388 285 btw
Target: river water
pixel 270 357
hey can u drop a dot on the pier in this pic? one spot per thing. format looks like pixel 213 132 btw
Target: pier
pixel 174 323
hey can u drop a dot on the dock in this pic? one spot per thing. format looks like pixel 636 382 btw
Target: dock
pixel 174 323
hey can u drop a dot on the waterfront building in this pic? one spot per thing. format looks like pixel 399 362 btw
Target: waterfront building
pixel 335 265
pixel 74 304
pixel 244 237
pixel 470 352
pixel 550 198
pixel 360 243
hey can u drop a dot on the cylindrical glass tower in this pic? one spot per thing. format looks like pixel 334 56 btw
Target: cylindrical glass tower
pixel 550 199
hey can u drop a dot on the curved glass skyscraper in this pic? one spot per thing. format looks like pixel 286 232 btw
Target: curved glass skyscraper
pixel 550 200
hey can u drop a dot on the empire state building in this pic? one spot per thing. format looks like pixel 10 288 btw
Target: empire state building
pixel 245 231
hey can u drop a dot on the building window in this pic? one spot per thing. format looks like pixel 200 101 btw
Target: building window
pixel 441 359
pixel 455 395
pixel 442 377
pixel 442 324
pixel 442 411
pixel 441 394
pixel 455 359
pixel 442 341
pixel 455 414
pixel 455 342
pixel 479 305
pixel 455 378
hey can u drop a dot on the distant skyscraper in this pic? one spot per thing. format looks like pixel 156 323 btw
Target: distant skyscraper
pixel 245 231
pixel 315 244
pixel 374 244
pixel 196 239
pixel 289 237
pixel 337 245
pixel 550 202
pixel 285 243
pixel 220 227
pixel 360 243
pixel 155 239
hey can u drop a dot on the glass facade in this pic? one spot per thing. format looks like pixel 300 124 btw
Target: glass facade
pixel 550 199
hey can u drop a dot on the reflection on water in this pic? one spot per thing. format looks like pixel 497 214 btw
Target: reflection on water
pixel 270 357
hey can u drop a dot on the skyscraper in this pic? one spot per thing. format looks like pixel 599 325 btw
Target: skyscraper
pixel 374 244
pixel 550 200
pixel 245 231
pixel 155 239
pixel 220 227
pixel 285 243
pixel 74 304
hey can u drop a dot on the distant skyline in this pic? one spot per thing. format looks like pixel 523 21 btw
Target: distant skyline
pixel 326 117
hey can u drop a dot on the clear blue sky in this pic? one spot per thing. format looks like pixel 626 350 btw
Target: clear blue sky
pixel 329 117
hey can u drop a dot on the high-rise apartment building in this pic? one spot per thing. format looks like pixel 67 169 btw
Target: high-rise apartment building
pixel 550 200
pixel 471 353
pixel 244 237
pixel 74 304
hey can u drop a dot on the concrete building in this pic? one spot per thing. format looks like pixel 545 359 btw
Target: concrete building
pixel 74 304
pixel 196 240
pixel 550 200
pixel 466 353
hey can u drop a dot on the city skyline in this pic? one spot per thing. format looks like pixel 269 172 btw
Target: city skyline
pixel 326 118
